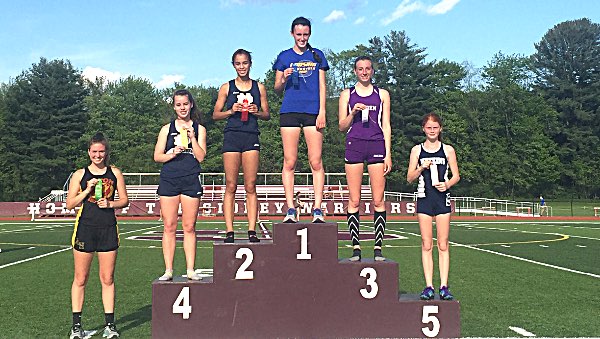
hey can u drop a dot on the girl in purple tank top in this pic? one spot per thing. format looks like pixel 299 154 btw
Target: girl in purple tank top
pixel 364 114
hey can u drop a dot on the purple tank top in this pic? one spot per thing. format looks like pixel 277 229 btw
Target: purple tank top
pixel 371 129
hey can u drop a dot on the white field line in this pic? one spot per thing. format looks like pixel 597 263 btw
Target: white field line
pixel 513 257
pixel 526 260
pixel 37 228
pixel 57 251
pixel 34 258
pixel 521 331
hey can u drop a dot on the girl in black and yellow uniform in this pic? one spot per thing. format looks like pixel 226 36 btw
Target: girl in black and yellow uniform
pixel 93 187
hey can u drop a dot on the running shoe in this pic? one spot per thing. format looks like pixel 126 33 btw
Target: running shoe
pixel 355 255
pixel 290 217
pixel 77 332
pixel 428 293
pixel 378 256
pixel 167 276
pixel 110 331
pixel 445 293
pixel 318 216
pixel 192 275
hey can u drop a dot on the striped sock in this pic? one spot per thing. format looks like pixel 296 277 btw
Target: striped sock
pixel 353 223
pixel 379 223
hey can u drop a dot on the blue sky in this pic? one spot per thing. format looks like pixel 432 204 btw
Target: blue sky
pixel 192 41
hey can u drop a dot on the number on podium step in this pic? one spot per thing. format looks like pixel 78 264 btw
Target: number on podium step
pixel 242 272
pixel 429 312
pixel 303 255
pixel 371 274
pixel 182 303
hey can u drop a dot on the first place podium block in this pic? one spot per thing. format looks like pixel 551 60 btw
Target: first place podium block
pixel 296 287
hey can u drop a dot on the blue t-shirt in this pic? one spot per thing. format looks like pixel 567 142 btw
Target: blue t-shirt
pixel 303 97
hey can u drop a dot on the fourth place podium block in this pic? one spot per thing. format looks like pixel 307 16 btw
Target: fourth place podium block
pixel 294 286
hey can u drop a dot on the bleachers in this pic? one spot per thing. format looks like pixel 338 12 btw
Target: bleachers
pixel 264 192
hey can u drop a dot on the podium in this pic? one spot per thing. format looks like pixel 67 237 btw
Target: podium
pixel 294 286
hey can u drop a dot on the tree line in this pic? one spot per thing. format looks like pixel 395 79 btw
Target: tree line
pixel 521 125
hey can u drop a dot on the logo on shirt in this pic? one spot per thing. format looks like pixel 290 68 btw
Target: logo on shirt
pixel 305 67
pixel 247 96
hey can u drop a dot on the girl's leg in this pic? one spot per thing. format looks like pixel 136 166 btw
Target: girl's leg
pixel 314 144
pixel 290 136
pixel 250 161
pixel 82 262
pixel 231 162
pixel 189 207
pixel 379 216
pixel 442 224
pixel 169 207
pixel 106 264
pixel 354 173
pixel 426 227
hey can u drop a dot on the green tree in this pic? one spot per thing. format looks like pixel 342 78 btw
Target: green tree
pixel 130 113
pixel 45 117
pixel 566 66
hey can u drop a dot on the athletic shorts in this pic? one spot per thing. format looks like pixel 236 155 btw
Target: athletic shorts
pixel 187 185
pixel 240 142
pixel 435 203
pixel 358 151
pixel 95 239
pixel 297 120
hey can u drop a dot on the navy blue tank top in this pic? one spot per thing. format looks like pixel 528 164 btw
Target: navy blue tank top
pixel 184 163
pixel 90 214
pixel 439 168
pixel 234 122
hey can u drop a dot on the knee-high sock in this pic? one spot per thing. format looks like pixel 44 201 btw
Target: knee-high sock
pixel 379 223
pixel 353 224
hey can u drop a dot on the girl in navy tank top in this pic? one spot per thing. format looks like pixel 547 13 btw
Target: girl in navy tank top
pixel 180 147
pixel 245 101
pixel 429 162
pixel 364 114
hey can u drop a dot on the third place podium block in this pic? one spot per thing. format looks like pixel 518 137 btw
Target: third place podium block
pixel 294 286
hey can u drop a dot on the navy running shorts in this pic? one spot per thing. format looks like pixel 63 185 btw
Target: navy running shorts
pixel 358 151
pixel 240 142
pixel 187 185
pixel 297 120
pixel 435 203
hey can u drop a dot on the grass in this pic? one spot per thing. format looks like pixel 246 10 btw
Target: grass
pixel 577 208
pixel 542 276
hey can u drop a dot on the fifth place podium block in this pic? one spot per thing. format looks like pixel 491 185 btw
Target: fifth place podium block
pixel 294 286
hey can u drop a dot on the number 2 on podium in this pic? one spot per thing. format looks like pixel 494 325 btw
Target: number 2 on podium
pixel 303 255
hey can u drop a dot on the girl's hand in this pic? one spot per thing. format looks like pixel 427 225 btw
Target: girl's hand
pixel 358 107
pixel 103 203
pixel 442 186
pixel 91 184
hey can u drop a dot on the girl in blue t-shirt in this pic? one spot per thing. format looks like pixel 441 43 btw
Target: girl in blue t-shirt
pixel 300 74
pixel 245 101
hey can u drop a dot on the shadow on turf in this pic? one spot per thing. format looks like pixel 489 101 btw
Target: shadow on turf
pixel 135 319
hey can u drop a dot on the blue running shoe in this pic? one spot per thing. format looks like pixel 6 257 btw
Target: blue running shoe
pixel 318 216
pixel 290 217
pixel 445 293
pixel 428 293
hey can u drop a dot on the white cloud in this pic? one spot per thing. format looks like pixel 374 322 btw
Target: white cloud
pixel 442 7
pixel 359 20
pixel 168 80
pixel 410 6
pixel 92 73
pixel 335 15
pixel 405 7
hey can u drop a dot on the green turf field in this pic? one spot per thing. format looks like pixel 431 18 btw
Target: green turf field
pixel 541 276
pixel 577 208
